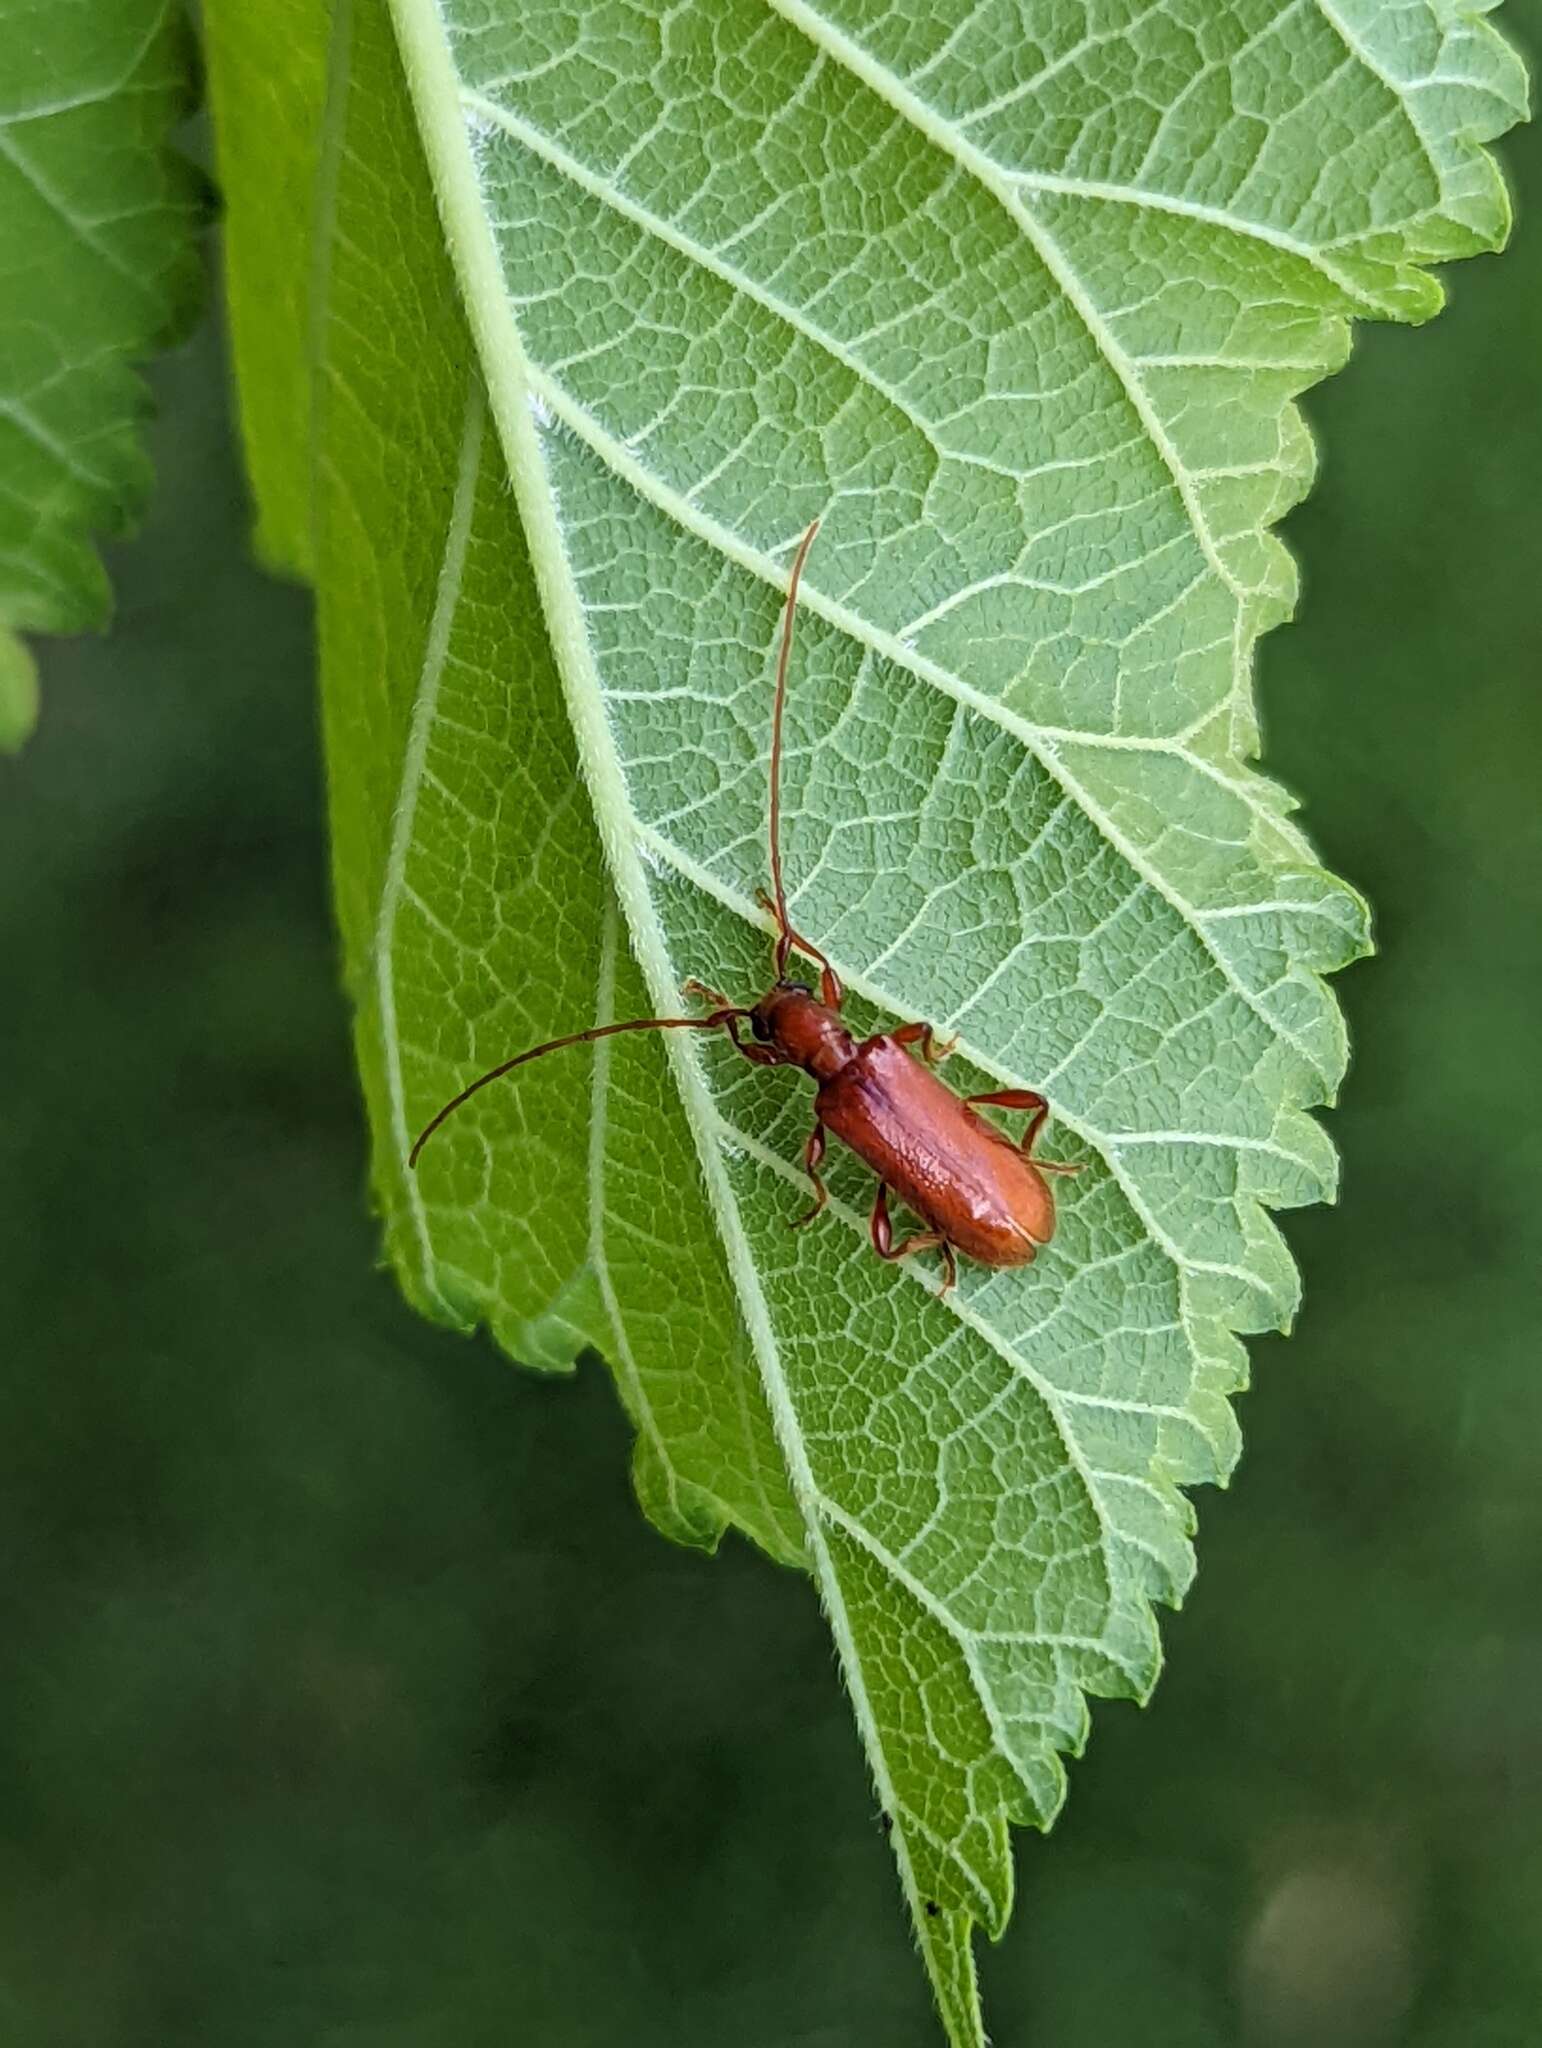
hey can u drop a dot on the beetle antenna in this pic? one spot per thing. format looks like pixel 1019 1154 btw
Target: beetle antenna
pixel 717 1019
pixel 787 938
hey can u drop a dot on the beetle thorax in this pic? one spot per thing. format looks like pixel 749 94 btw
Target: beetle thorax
pixel 805 1032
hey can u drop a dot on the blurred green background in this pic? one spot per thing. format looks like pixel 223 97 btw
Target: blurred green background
pixel 344 1696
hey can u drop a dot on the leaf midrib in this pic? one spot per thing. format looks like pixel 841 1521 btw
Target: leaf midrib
pixel 661 974
pixel 435 88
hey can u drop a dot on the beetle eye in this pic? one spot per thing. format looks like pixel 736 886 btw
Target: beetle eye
pixel 759 1027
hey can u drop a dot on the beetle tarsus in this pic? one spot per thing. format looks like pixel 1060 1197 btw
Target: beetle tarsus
pixel 934 1050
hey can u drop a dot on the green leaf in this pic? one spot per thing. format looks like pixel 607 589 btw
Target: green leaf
pixel 1020 308
pixel 98 267
pixel 267 91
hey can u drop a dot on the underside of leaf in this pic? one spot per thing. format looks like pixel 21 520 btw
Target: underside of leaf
pixel 611 301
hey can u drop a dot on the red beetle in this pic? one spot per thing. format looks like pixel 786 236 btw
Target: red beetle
pixel 976 1190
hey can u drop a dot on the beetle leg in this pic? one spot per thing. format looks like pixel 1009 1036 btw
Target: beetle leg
pixel 878 1226
pixel 934 1050
pixel 732 1017
pixel 882 1233
pixel 813 1154
pixel 699 992
pixel 831 993
pixel 1026 1098
pixel 757 1055
pixel 1019 1098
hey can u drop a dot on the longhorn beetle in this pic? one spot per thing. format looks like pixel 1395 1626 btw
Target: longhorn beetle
pixel 975 1189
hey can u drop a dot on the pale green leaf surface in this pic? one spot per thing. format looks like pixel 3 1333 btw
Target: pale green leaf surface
pixel 1021 315
pixel 98 268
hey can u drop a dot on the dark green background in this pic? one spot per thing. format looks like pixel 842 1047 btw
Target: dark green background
pixel 345 1699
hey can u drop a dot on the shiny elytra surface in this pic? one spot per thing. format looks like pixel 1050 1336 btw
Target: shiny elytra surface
pixel 956 1171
